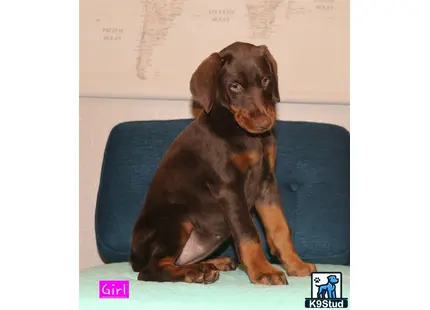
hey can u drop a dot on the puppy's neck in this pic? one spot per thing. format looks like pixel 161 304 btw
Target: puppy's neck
pixel 222 122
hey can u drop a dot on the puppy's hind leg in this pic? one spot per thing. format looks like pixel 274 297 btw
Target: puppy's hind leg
pixel 163 249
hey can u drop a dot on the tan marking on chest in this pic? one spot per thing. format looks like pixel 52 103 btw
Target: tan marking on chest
pixel 244 161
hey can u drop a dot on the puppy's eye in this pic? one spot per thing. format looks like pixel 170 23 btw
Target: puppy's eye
pixel 265 81
pixel 236 87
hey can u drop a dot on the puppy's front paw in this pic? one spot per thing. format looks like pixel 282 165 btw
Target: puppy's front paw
pixel 300 269
pixel 268 275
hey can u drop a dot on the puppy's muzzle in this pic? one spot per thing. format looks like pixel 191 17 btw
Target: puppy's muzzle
pixel 262 122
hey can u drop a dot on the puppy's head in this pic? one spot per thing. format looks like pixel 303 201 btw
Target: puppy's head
pixel 243 78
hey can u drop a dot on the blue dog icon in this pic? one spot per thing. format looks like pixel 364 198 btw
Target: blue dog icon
pixel 328 290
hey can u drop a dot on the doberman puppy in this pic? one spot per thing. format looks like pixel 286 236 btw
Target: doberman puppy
pixel 218 170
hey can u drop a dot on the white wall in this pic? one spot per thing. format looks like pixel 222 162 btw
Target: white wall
pixel 98 116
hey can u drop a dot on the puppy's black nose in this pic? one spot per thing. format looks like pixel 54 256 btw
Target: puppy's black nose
pixel 262 122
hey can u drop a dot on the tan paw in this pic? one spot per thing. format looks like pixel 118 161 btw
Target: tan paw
pixel 300 269
pixel 268 275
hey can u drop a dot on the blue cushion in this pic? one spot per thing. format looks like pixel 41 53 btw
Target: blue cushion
pixel 312 171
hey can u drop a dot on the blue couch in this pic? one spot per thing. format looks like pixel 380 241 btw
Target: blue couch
pixel 313 176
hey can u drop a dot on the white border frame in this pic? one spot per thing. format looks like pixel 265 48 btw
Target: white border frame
pixel 389 152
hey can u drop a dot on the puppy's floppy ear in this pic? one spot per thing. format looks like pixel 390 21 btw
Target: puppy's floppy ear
pixel 204 81
pixel 274 66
